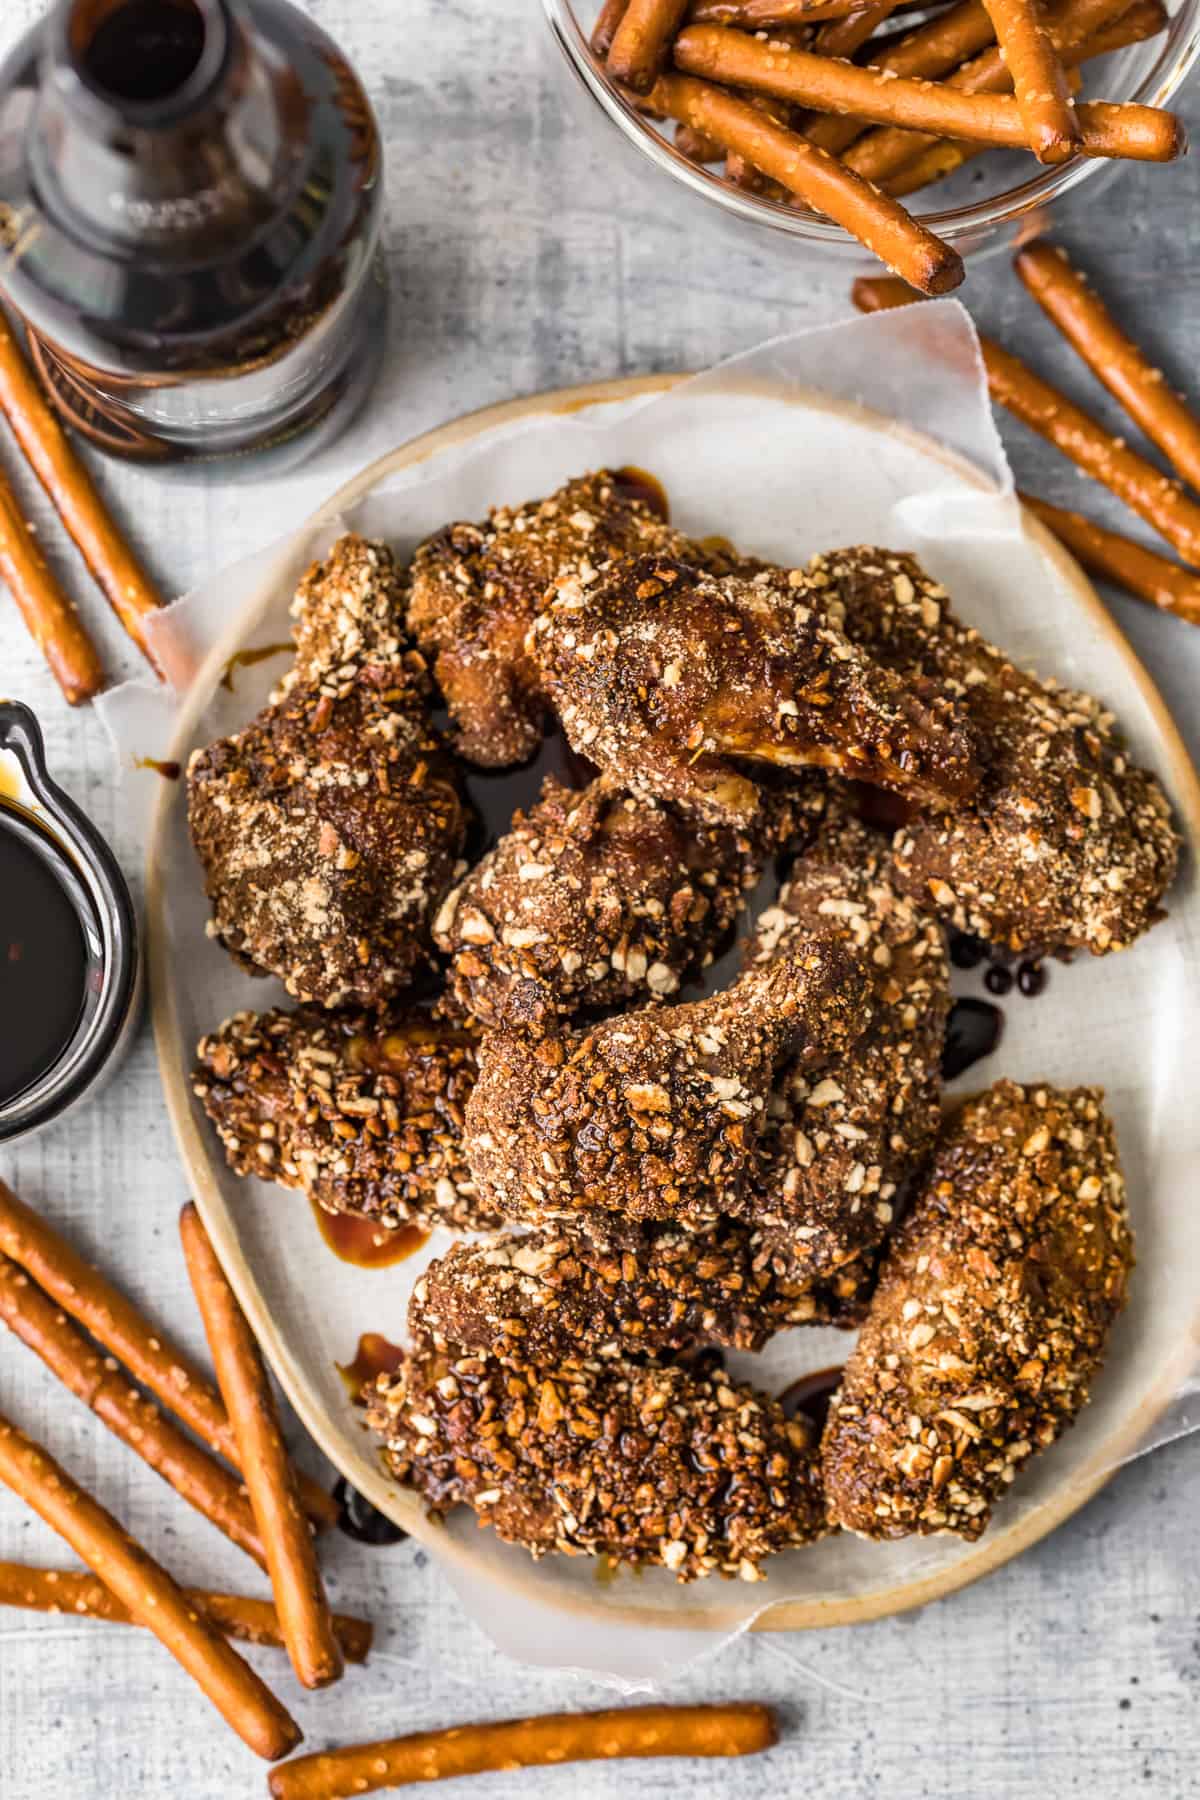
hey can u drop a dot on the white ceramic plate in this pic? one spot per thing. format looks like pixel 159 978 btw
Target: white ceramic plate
pixel 782 473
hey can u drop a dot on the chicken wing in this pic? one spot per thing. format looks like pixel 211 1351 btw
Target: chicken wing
pixel 600 1286
pixel 669 678
pixel 1067 844
pixel 476 589
pixel 329 828
pixel 845 1132
pixel 647 1465
pixel 654 1114
pixel 365 1115
pixel 602 897
pixel 990 1319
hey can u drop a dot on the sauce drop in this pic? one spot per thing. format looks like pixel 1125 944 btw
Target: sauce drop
pixel 972 1033
pixel 1032 978
pixel 246 659
pixel 43 956
pixel 644 486
pixel 170 771
pixel 364 1242
pixel 880 807
pixel 376 1355
pixel 362 1521
pixel 810 1394
pixel 966 952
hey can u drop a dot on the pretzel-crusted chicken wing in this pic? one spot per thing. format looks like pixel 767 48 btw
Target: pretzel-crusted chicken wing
pixel 364 1114
pixel 476 589
pixel 329 827
pixel 644 1464
pixel 600 1287
pixel 667 678
pixel 602 897
pixel 1067 844
pixel 845 1132
pixel 653 1114
pixel 990 1319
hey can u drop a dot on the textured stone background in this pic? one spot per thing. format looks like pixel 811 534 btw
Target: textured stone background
pixel 519 261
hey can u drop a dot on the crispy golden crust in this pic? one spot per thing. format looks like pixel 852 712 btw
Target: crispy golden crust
pixel 844 1134
pixel 600 1287
pixel 646 1465
pixel 1067 844
pixel 666 677
pixel 990 1319
pixel 328 829
pixel 476 589
pixel 653 1114
pixel 365 1115
pixel 601 898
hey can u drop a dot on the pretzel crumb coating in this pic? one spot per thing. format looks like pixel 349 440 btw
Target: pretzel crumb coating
pixel 846 1132
pixel 603 1287
pixel 1068 844
pixel 990 1319
pixel 646 1465
pixel 668 677
pixel 602 897
pixel 475 590
pixel 362 1113
pixel 653 1114
pixel 328 828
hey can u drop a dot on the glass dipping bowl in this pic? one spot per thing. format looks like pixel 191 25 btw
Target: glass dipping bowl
pixel 991 203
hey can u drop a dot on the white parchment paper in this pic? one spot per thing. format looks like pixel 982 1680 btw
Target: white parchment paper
pixel 875 430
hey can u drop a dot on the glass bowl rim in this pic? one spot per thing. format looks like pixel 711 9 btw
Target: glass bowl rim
pixel 1179 48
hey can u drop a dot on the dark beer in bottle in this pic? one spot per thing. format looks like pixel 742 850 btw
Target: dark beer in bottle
pixel 190 200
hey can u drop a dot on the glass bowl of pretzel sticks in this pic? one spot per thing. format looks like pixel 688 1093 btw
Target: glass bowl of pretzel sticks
pixel 909 133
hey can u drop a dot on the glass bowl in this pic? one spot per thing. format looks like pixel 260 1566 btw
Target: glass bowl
pixel 989 204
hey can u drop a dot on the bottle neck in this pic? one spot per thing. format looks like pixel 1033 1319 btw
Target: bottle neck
pixel 157 123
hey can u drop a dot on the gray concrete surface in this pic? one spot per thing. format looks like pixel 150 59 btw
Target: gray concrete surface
pixel 520 261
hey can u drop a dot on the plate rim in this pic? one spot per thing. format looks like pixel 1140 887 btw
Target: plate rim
pixel 994 1549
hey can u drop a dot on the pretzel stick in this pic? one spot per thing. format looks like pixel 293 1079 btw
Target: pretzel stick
pixel 942 156
pixel 880 153
pixel 150 1357
pixel 1142 487
pixel 200 1480
pixel 129 590
pixel 819 180
pixel 763 15
pixel 641 42
pixel 842 37
pixel 940 160
pixel 1139 133
pixel 51 619
pixel 1118 559
pixel 1047 110
pixel 270 1480
pixel 696 148
pixel 733 1730
pixel 1113 358
pixel 930 50
pixel 234 1615
pixel 148 1592
pixel 605 28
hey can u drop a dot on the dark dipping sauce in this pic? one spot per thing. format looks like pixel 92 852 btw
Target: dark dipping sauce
pixel 43 956
pixel 972 1033
pixel 810 1394
pixel 365 1243
pixel 362 1521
